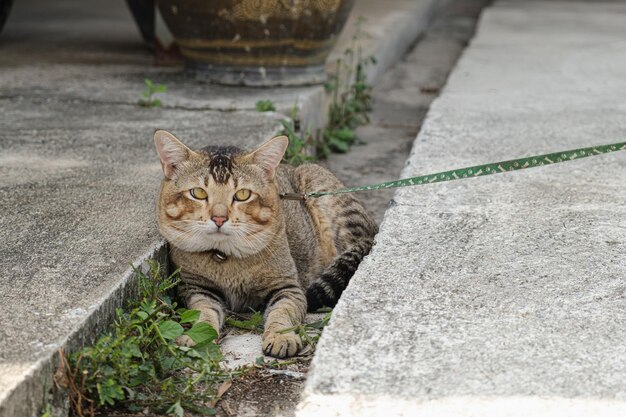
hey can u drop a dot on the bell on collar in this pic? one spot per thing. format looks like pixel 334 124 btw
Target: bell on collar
pixel 219 256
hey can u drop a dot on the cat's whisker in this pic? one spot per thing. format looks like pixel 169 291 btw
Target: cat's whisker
pixel 237 233
pixel 262 242
pixel 256 245
pixel 190 234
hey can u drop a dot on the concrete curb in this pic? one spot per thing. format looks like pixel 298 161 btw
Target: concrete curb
pixel 392 36
pixel 468 406
pixel 502 296
pixel 25 397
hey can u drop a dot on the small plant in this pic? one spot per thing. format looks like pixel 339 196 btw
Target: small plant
pixel 261 362
pixel 301 145
pixel 138 364
pixel 47 411
pixel 299 149
pixel 310 333
pixel 265 105
pixel 254 323
pixel 351 101
pixel 151 89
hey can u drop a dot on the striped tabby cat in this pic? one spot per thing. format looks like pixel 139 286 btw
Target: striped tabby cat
pixel 239 246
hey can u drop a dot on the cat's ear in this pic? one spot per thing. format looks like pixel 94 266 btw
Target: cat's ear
pixel 171 151
pixel 269 154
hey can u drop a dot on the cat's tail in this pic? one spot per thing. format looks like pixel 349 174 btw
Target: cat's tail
pixel 355 232
pixel 326 290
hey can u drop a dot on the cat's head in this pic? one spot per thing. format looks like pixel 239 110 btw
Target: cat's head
pixel 219 198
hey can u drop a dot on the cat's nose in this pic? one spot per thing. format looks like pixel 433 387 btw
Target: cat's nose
pixel 219 220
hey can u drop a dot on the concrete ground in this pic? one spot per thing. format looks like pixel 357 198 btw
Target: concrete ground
pixel 79 175
pixel 504 295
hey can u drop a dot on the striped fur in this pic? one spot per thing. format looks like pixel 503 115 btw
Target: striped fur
pixel 349 234
pixel 283 256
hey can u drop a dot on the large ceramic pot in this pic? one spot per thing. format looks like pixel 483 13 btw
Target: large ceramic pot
pixel 143 13
pixel 256 42
pixel 5 8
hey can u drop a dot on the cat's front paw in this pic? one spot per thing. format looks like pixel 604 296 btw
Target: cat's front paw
pixel 281 345
pixel 185 340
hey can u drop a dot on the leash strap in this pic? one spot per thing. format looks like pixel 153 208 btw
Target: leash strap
pixel 473 171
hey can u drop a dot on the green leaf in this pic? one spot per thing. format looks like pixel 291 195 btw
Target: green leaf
pixel 287 125
pixel 265 105
pixel 135 351
pixel 201 332
pixel 131 393
pixel 167 363
pixel 320 324
pixel 156 103
pixel 176 410
pixel 166 298
pixel 325 150
pixel 148 306
pixel 339 145
pixel 214 352
pixel 190 316
pixel 160 88
pixel 197 352
pixel 345 135
pixel 109 391
pixel 135 408
pixel 171 330
pixel 202 410
pixel 253 323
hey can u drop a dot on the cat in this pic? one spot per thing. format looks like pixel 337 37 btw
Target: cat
pixel 240 247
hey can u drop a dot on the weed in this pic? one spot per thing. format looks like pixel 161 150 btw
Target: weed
pixel 138 364
pixel 301 145
pixel 151 89
pixel 47 411
pixel 260 362
pixel 310 332
pixel 299 149
pixel 254 323
pixel 265 105
pixel 351 100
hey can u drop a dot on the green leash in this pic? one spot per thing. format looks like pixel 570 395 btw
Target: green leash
pixel 473 171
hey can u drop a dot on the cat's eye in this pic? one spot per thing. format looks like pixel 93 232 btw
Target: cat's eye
pixel 198 193
pixel 242 195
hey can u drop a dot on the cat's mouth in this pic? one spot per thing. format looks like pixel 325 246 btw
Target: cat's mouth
pixel 219 232
pixel 213 230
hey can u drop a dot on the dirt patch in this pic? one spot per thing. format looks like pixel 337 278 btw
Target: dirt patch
pixel 265 392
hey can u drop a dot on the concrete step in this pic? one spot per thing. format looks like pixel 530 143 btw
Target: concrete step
pixel 80 176
pixel 504 295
